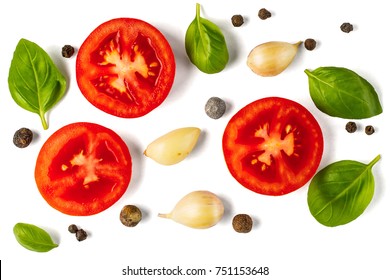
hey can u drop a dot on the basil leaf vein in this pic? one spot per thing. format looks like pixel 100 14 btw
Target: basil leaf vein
pixel 340 193
pixel 33 238
pixel 34 81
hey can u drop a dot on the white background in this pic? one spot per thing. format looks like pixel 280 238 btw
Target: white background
pixel 285 237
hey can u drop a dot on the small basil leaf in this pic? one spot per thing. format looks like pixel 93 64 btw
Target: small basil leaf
pixel 33 238
pixel 205 45
pixel 340 92
pixel 340 192
pixel 34 81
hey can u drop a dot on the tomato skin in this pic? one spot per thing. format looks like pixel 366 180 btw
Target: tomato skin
pixel 83 169
pixel 125 67
pixel 273 146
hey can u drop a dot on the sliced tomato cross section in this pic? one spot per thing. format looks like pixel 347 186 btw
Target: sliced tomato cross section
pixel 83 168
pixel 125 67
pixel 273 146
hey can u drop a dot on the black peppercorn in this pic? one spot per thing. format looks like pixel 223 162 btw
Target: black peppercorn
pixel 215 107
pixel 346 27
pixel 237 20
pixel 23 137
pixel 310 44
pixel 73 228
pixel 81 235
pixel 130 215
pixel 242 223
pixel 351 127
pixel 369 129
pixel 67 51
pixel 264 14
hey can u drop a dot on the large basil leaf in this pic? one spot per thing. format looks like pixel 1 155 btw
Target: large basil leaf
pixel 34 81
pixel 340 92
pixel 340 192
pixel 33 238
pixel 205 45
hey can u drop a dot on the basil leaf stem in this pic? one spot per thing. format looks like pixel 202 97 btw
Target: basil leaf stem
pixel 205 45
pixel 340 92
pixel 339 193
pixel 33 238
pixel 34 81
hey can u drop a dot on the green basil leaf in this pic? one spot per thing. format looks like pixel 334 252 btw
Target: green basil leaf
pixel 34 81
pixel 205 45
pixel 340 92
pixel 33 238
pixel 340 192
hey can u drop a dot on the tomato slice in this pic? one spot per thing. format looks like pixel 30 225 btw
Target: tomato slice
pixel 273 146
pixel 125 67
pixel 83 168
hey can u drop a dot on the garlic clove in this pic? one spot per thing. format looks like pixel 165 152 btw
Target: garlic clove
pixel 174 146
pixel 198 209
pixel 271 58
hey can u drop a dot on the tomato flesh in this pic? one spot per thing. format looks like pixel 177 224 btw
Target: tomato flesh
pixel 273 146
pixel 125 67
pixel 83 168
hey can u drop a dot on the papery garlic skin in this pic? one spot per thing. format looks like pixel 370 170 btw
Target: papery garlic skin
pixel 198 209
pixel 174 146
pixel 272 58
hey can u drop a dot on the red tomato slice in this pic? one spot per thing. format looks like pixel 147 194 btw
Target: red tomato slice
pixel 125 67
pixel 83 168
pixel 273 146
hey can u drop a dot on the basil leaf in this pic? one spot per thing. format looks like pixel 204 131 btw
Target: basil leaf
pixel 205 45
pixel 34 81
pixel 340 192
pixel 340 92
pixel 33 238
